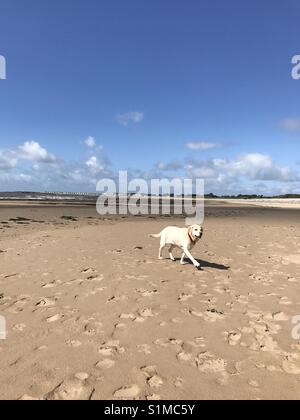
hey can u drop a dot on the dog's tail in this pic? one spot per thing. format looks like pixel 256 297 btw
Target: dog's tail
pixel 155 236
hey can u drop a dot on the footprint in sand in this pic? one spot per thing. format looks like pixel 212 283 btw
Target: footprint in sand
pixel 140 319
pixel 127 316
pixel 46 302
pixel 207 362
pixel 253 384
pixel 143 315
pixel 285 301
pixel 232 337
pixel 116 251
pixel 153 380
pixel 153 397
pixel 110 348
pixel 184 297
pixel 54 318
pixel 93 328
pixel 263 340
pixel 116 299
pixel 19 327
pixel 19 304
pixel 146 313
pixel 105 364
pixel 130 392
pixel 88 270
pixel 51 284
pixel 75 388
pixel 278 316
pixel 199 341
pixel 211 315
pixel 178 382
pixel 144 348
pixel 73 343
pixel 147 293
pixel 291 364
pixel 41 348
pixel 120 326
pixel 184 357
pixel 149 371
pixel 26 397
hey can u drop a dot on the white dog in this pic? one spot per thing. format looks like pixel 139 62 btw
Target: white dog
pixel 183 238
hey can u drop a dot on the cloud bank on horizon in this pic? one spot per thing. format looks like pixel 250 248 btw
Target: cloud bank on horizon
pixel 30 167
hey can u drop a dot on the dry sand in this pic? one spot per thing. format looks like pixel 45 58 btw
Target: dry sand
pixel 92 314
pixel 281 203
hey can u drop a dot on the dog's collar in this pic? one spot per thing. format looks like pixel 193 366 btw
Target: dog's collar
pixel 194 240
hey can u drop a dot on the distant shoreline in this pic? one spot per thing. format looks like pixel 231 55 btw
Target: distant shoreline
pixel 286 203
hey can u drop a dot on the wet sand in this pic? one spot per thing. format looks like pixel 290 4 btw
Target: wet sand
pixel 93 314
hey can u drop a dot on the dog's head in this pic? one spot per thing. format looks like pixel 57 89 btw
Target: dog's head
pixel 196 231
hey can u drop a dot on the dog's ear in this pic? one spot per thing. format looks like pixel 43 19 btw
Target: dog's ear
pixel 190 231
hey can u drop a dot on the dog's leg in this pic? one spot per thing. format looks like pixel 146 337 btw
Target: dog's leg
pixel 162 246
pixel 189 255
pixel 160 256
pixel 182 259
pixel 170 253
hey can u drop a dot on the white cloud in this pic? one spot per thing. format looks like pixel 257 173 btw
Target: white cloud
pixel 30 166
pixel 130 117
pixel 291 124
pixel 171 166
pixel 95 165
pixel 252 166
pixel 25 177
pixel 90 142
pixel 8 160
pixel 202 145
pixel 252 173
pixel 31 150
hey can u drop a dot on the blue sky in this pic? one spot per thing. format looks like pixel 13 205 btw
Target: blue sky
pixel 167 88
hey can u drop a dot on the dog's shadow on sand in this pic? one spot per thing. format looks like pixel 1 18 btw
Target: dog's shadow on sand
pixel 208 264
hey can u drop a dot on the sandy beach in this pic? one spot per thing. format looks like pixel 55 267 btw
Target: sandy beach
pixel 92 313
pixel 283 203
